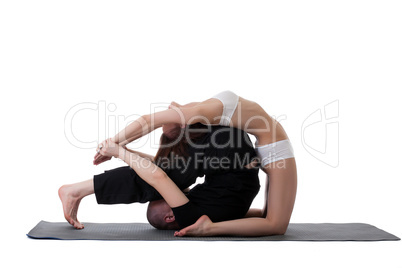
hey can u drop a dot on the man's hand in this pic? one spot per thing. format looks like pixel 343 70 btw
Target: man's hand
pixel 98 159
pixel 105 151
pixel 199 228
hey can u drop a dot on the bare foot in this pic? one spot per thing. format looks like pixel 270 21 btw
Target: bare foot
pixel 70 198
pixel 199 228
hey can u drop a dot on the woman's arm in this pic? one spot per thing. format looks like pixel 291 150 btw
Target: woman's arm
pixel 242 227
pixel 148 171
pixel 254 213
pixel 188 105
pixel 280 201
pixel 142 126
pixel 207 112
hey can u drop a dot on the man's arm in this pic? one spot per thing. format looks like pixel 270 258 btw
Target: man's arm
pixel 155 177
pixel 148 171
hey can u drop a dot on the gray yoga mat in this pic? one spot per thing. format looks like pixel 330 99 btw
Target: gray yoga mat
pixel 145 232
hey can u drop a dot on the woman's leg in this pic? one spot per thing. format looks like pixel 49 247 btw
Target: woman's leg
pixel 70 196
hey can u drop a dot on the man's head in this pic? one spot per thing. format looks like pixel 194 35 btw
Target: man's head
pixel 161 216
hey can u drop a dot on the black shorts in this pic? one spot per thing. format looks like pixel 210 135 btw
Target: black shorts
pixel 122 186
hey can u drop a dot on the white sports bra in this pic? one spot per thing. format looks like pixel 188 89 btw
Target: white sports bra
pixel 229 101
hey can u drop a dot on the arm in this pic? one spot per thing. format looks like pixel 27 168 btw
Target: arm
pixel 148 171
pixel 142 126
pixel 143 155
pixel 241 227
pixel 254 212
pixel 188 105
pixel 205 112
pixel 155 177
pixel 280 201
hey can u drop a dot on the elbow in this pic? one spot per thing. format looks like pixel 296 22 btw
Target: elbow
pixel 157 177
pixel 145 119
pixel 147 123
pixel 276 226
pixel 280 228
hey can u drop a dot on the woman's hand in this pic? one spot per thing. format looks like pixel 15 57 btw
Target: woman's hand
pixel 200 228
pixel 108 149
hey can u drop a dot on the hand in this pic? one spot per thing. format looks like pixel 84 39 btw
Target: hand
pixel 98 159
pixel 199 228
pixel 108 149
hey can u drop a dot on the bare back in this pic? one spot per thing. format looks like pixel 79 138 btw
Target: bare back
pixel 252 118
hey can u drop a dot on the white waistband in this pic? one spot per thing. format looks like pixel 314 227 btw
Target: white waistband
pixel 273 152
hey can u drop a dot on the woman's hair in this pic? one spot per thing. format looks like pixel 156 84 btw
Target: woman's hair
pixel 178 144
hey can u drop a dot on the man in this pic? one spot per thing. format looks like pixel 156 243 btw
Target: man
pixel 220 155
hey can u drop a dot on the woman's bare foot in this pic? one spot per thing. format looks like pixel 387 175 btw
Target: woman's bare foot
pixel 199 228
pixel 71 196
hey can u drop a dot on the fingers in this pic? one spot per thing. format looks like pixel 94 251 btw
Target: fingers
pixel 101 159
pixel 97 161
pixel 101 151
pixel 97 156
pixel 102 147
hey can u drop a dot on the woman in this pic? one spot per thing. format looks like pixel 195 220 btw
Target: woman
pixel 272 146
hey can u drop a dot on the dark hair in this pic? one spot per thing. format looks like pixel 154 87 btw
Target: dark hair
pixel 179 144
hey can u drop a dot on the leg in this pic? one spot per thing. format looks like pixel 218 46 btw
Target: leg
pixel 70 196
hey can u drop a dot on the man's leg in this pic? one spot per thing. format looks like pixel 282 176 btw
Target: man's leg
pixel 71 195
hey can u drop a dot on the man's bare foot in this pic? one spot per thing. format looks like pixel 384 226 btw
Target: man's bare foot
pixel 70 198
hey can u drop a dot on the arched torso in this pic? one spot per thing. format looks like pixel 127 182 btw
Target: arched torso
pixel 252 118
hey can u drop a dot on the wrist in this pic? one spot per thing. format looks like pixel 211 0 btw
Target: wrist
pixel 122 153
pixel 114 140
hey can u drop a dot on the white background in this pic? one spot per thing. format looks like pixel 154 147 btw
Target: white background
pixel 292 57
